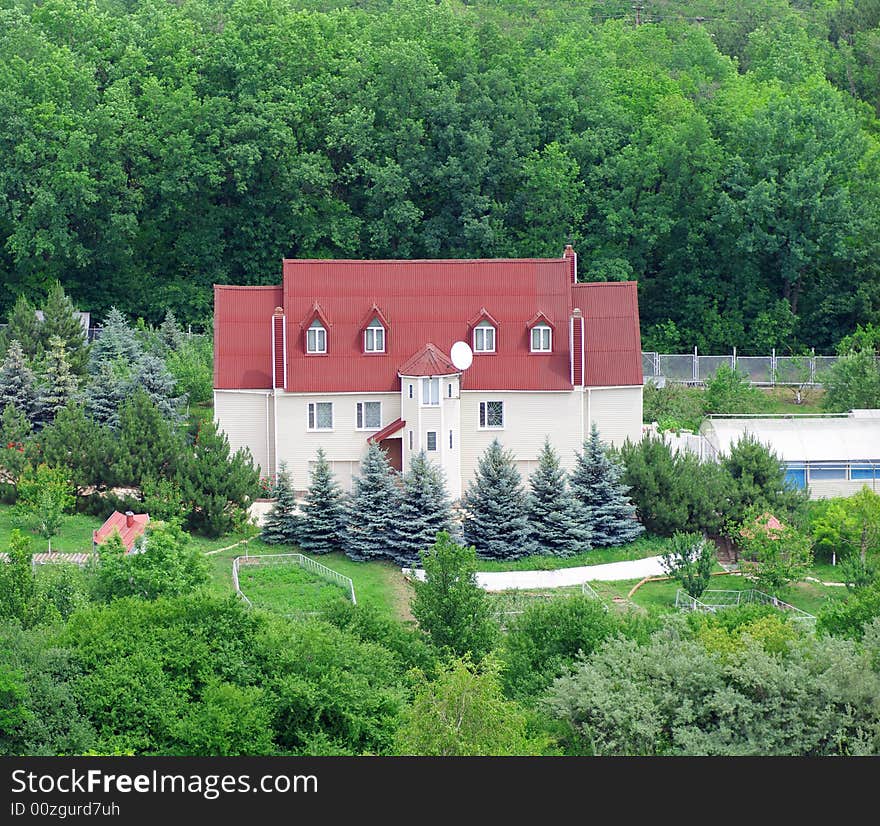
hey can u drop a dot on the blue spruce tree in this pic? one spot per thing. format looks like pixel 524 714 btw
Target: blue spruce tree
pixel 552 510
pixel 602 502
pixel 117 343
pixel 280 525
pixel 17 384
pixel 374 510
pixel 495 522
pixel 425 510
pixel 322 527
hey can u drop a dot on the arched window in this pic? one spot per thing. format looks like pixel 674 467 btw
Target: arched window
pixel 542 338
pixel 374 337
pixel 316 338
pixel 484 337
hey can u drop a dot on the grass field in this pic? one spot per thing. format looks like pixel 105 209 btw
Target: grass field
pixel 287 588
pixel 75 535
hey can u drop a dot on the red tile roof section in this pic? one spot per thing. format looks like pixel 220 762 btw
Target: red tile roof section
pixel 429 361
pixel 388 430
pixel 613 343
pixel 117 521
pixel 423 301
pixel 243 336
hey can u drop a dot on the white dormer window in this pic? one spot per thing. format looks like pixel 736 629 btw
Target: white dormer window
pixel 316 338
pixel 542 338
pixel 374 337
pixel 484 338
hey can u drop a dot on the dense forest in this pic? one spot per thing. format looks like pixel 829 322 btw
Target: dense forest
pixel 723 154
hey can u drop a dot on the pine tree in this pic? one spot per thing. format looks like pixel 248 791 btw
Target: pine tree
pixel 59 383
pixel 105 393
pixel 147 445
pixel 552 509
pixel 156 381
pixel 15 430
pixel 17 384
pixel 116 344
pixel 496 523
pixel 374 510
pixel 24 327
pixel 170 332
pixel 78 442
pixel 602 502
pixel 322 528
pixel 280 525
pixel 218 485
pixel 60 319
pixel 425 510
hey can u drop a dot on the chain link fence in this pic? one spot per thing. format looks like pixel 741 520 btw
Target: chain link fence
pixel 768 371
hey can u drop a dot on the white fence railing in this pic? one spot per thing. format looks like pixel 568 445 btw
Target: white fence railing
pixel 694 368
pixel 712 601
pixel 302 561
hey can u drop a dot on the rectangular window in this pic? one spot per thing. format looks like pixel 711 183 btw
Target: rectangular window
pixel 316 339
pixel 320 415
pixel 541 339
pixel 369 415
pixel 410 440
pixel 484 338
pixel 374 340
pixel 864 470
pixel 491 415
pixel 449 391
pixel 796 475
pixel 430 391
pixel 450 440
pixel 827 472
pixel 432 440
pixel 410 391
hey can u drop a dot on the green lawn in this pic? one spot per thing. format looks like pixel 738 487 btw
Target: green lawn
pixel 75 535
pixel 379 584
pixel 641 548
pixel 287 588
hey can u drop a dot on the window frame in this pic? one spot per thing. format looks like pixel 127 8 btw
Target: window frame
pixel 428 435
pixel 375 327
pixel 360 415
pixel 484 327
pixel 483 415
pixel 429 382
pixel 316 327
pixel 542 328
pixel 312 418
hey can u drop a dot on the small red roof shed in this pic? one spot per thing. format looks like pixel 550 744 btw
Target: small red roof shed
pixel 130 526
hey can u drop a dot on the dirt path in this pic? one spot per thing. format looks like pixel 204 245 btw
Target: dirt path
pixel 402 593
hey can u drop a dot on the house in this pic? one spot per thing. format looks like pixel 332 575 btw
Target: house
pixel 832 455
pixel 344 352
pixel 129 525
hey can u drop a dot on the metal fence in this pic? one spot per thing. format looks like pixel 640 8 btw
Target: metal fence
pixel 302 561
pixel 696 369
pixel 712 601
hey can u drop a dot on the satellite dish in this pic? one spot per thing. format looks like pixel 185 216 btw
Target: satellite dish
pixel 461 355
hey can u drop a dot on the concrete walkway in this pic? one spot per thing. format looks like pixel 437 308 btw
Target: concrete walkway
pixel 530 580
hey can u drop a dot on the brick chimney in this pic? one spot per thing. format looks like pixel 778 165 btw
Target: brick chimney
pixel 129 519
pixel 278 354
pixel 571 256
pixel 577 347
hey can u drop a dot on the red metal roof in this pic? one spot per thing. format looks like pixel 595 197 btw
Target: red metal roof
pixel 117 522
pixel 243 336
pixel 429 361
pixel 426 301
pixel 612 341
pixel 388 430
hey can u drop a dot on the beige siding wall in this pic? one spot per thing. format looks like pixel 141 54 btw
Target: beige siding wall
pixel 829 488
pixel 297 445
pixel 528 418
pixel 617 412
pixel 242 416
